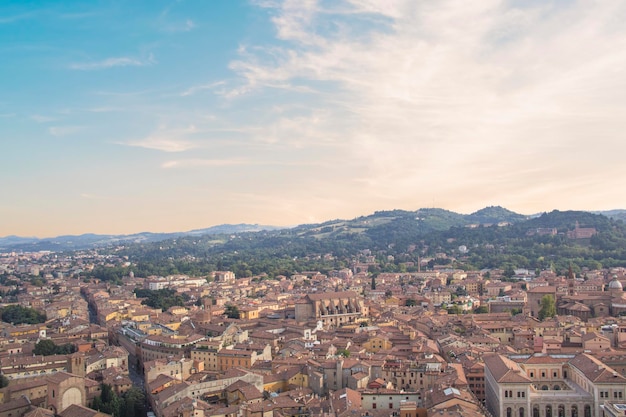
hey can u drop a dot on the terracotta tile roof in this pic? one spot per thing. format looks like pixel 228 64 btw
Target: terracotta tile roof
pixel 76 410
pixel 540 359
pixel 504 369
pixel 332 295
pixel 595 370
pixel 39 412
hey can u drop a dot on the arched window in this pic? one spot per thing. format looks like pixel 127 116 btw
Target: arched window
pixel 521 412
pixel 535 411
pixel 548 411
pixel 587 411
pixel 509 412
pixel 561 410
pixel 574 411
pixel 544 388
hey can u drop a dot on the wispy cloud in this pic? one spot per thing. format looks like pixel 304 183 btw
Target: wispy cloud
pixel 105 109
pixel 42 119
pixel 193 163
pixel 90 196
pixel 426 95
pixel 17 17
pixel 77 16
pixel 197 88
pixel 183 26
pixel 123 61
pixel 167 140
pixel 61 131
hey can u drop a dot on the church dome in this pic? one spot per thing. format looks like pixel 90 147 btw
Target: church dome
pixel 615 284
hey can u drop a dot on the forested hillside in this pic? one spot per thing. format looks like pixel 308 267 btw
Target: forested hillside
pixel 398 240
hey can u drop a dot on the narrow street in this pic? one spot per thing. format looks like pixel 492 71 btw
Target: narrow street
pixel 133 373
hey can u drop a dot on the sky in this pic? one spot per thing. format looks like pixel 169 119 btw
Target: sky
pixel 123 116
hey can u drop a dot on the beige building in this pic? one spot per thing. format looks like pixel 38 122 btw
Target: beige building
pixel 550 386
pixel 332 308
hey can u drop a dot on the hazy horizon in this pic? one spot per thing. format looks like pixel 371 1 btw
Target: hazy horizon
pixel 167 116
pixel 277 225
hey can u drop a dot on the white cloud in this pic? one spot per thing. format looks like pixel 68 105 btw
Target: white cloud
pixel 449 95
pixel 167 140
pixel 113 62
pixel 181 26
pixel 42 119
pixel 17 18
pixel 61 131
pixel 89 196
pixel 194 163
pixel 197 88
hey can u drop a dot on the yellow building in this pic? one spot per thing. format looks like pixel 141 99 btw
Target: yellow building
pixel 249 313
pixel 377 343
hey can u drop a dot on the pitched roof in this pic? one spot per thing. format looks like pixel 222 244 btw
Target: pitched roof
pixel 76 410
pixel 504 370
pixel 595 370
pixel 332 295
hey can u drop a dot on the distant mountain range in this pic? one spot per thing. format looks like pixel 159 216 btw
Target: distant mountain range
pixel 90 240
pixel 384 224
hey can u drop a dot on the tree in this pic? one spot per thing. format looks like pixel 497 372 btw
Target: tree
pixel 373 282
pixel 343 352
pixel 45 348
pixel 482 310
pixel 232 312
pixel 48 347
pixel 4 381
pixel 19 315
pixel 134 400
pixel 455 309
pixel 548 307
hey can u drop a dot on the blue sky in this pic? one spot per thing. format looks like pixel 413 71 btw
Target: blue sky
pixel 127 116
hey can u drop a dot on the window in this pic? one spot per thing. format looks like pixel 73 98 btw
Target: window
pixel 543 374
pixel 374 406
pixel 532 374
pixel 390 405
